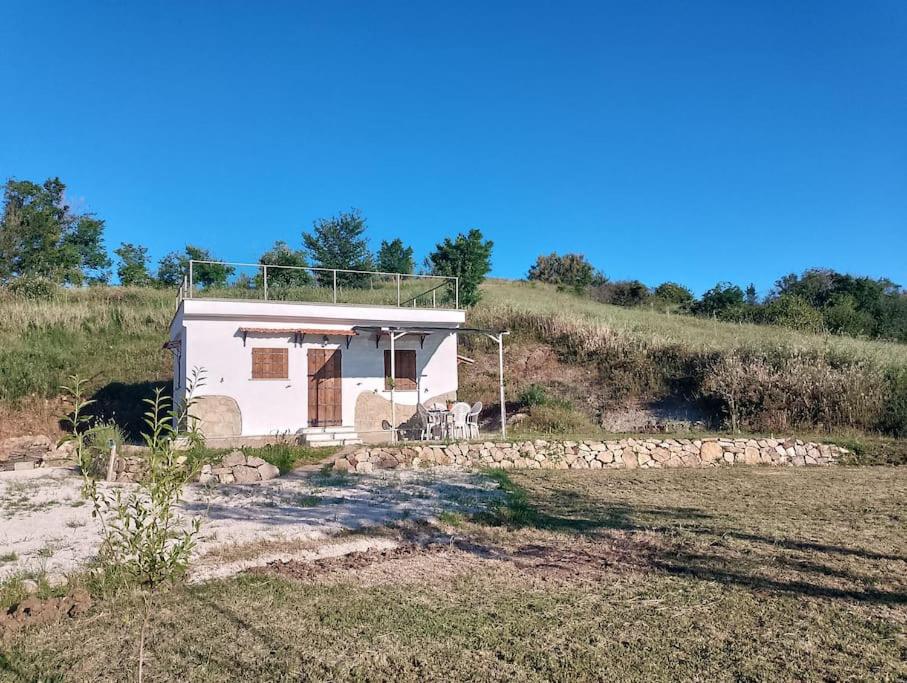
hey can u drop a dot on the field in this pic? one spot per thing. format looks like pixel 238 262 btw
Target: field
pixel 660 575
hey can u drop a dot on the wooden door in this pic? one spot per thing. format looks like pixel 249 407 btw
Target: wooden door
pixel 325 399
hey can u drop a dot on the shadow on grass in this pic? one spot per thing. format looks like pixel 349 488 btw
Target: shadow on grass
pixel 124 404
pixel 683 541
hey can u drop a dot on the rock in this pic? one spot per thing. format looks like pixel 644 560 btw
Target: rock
pixel 25 446
pixel 255 461
pixel 365 467
pixel 751 455
pixel 710 452
pixel 233 459
pixel 29 586
pixel 227 478
pixel 341 465
pixel 268 471
pixel 246 475
pixel 206 478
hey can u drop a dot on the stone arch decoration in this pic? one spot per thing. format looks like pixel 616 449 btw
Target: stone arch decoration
pixel 217 416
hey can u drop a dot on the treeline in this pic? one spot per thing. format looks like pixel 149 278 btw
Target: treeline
pixel 45 244
pixel 818 300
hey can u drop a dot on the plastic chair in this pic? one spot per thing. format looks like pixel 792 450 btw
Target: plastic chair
pixel 460 428
pixel 427 422
pixel 472 420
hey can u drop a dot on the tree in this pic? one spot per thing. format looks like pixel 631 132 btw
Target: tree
pixel 720 301
pixel 467 257
pixel 673 293
pixel 175 265
pixel 752 298
pixel 133 267
pixel 338 242
pixel 570 270
pixel 282 255
pixel 41 236
pixel 790 310
pixel 394 257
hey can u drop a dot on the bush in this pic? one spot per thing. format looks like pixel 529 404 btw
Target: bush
pixel 673 293
pixel 792 311
pixel 894 412
pixel 534 395
pixel 97 442
pixel 622 293
pixel 33 287
pixel 569 270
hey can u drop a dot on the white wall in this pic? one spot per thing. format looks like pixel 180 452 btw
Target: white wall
pixel 273 406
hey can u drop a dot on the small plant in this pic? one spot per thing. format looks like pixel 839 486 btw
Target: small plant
pixel 145 543
pixel 9 557
pixel 534 395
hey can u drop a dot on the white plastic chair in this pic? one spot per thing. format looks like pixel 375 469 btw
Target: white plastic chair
pixel 472 420
pixel 427 422
pixel 460 428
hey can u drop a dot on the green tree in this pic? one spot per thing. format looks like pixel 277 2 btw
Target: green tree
pixel 724 300
pixel 569 270
pixel 338 242
pixel 467 257
pixel 751 296
pixel 175 265
pixel 41 236
pixel 282 255
pixel 133 266
pixel 394 257
pixel 673 293
pixel 790 310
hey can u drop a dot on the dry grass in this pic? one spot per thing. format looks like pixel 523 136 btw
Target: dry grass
pixel 513 301
pixel 725 574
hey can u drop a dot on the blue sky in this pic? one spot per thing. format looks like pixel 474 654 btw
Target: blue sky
pixel 694 141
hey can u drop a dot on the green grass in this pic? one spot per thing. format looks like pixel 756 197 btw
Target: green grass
pixel 724 574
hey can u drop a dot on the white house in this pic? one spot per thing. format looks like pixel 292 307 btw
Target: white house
pixel 320 371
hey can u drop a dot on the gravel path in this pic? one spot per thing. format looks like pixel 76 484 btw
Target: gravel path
pixel 46 527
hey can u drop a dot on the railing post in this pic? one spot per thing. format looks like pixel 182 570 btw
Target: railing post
pixel 335 285
pixel 191 282
pixel 398 288
pixel 434 298
pixel 265 269
pixel 457 295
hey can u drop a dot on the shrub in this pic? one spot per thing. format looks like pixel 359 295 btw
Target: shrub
pixel 792 311
pixel 97 444
pixel 533 395
pixel 622 293
pixel 673 293
pixel 720 299
pixel 569 270
pixel 34 287
pixel 894 413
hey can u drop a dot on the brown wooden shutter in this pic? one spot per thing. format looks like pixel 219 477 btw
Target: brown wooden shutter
pixel 270 364
pixel 404 369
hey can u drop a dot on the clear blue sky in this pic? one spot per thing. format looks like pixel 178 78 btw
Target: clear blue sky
pixel 688 141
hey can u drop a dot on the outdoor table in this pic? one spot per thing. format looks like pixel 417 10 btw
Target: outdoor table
pixel 443 418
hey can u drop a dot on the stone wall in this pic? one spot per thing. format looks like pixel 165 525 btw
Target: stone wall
pixel 623 454
pixel 28 452
pixel 238 468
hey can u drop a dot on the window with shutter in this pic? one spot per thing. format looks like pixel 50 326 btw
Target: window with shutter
pixel 404 369
pixel 270 364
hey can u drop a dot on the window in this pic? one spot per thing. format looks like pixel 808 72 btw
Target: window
pixel 404 369
pixel 269 364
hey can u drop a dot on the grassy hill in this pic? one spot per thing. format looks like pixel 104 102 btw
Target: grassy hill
pixel 586 357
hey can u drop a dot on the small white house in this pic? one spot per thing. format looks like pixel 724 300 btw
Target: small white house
pixel 321 371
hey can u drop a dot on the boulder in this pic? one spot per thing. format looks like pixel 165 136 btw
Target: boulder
pixel 710 452
pixel 246 475
pixel 255 461
pixel 233 459
pixel 268 471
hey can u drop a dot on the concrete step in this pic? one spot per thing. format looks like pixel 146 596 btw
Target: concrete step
pixel 329 436
pixel 339 429
pixel 334 442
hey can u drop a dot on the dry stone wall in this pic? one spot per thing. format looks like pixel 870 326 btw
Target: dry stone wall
pixel 623 454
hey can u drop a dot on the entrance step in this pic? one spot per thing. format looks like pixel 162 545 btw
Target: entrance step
pixel 329 436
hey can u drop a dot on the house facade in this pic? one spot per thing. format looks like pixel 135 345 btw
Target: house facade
pixel 316 371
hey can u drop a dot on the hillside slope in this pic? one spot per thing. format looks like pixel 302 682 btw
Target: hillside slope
pixel 591 358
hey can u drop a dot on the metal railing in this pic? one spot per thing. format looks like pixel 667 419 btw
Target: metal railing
pixel 241 281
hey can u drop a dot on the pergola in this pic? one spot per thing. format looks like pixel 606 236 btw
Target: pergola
pixel 398 332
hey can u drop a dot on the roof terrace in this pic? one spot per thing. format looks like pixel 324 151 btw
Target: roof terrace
pixel 233 281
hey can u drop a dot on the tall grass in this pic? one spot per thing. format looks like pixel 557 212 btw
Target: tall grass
pixel 108 334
